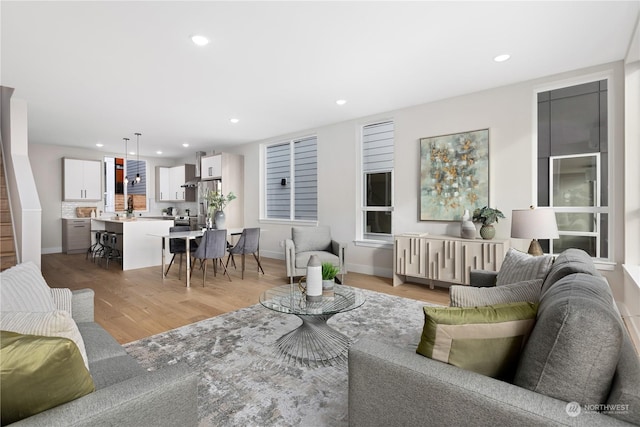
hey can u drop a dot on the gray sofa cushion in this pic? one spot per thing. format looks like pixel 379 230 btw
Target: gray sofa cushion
pixel 626 385
pixel 568 262
pixel 469 296
pixel 574 348
pixel 518 266
pixel 311 238
pixel 99 344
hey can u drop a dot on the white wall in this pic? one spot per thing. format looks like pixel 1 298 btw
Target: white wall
pixel 47 170
pixel 510 114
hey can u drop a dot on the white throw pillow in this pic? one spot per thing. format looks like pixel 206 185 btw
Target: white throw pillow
pixel 57 323
pixel 470 296
pixel 22 288
pixel 518 266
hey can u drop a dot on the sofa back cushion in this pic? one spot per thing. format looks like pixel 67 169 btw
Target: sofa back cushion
pixel 574 347
pixel 311 238
pixel 568 262
pixel 22 288
pixel 518 266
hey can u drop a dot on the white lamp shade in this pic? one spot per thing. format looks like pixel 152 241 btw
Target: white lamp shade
pixel 539 223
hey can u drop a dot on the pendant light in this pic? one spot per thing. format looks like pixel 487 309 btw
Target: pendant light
pixel 138 154
pixel 126 145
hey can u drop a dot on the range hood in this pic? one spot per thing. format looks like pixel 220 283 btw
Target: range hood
pixel 192 183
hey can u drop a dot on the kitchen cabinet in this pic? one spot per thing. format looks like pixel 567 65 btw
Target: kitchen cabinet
pixel 76 235
pixel 81 180
pixel 170 181
pixel 228 169
pixel 211 166
pixel 445 258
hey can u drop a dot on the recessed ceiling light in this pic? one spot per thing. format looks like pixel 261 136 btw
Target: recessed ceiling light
pixel 133 153
pixel 234 120
pixel 158 152
pixel 185 145
pixel 341 101
pixel 502 58
pixel 200 40
pixel 99 145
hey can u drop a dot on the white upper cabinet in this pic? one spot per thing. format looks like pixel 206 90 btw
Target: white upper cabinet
pixel 211 167
pixel 170 181
pixel 81 180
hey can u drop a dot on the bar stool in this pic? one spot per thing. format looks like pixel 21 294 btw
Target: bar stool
pixel 113 253
pixel 96 247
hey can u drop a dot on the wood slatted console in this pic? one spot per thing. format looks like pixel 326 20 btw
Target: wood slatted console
pixel 444 258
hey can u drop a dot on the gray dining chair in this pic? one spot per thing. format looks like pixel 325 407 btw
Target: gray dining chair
pixel 179 247
pixel 213 246
pixel 248 243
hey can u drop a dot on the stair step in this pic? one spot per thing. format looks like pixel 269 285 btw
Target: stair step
pixel 7 261
pixel 6 229
pixel 7 245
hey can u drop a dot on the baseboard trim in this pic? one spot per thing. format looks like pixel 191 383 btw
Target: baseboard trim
pixel 55 250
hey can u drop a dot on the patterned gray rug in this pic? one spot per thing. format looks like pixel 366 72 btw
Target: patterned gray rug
pixel 243 382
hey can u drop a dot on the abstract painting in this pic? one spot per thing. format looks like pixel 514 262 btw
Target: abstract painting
pixel 454 175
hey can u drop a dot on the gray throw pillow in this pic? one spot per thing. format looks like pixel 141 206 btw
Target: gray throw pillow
pixel 518 266
pixel 574 348
pixel 469 296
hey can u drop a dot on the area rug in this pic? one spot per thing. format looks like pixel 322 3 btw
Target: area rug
pixel 243 382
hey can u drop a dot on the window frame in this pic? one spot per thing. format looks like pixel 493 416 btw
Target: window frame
pixel 597 209
pixel 364 237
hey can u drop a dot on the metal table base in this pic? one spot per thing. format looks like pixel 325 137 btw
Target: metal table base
pixel 314 343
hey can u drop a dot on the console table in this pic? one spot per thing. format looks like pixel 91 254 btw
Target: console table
pixel 444 258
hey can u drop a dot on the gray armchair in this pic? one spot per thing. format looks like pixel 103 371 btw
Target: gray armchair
pixel 307 241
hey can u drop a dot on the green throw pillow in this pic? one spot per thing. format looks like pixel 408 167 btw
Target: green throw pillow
pixel 38 373
pixel 487 340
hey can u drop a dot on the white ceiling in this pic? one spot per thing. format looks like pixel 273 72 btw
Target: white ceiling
pixel 100 71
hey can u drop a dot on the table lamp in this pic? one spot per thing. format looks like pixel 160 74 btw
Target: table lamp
pixel 534 223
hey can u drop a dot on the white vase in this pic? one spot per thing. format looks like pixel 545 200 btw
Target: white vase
pixel 220 220
pixel 467 228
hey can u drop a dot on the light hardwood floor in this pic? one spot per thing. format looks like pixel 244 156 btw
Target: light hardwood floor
pixel 135 304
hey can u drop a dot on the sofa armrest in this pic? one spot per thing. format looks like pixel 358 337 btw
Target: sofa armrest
pixel 82 305
pixel 338 249
pixel 483 278
pixel 396 386
pixel 166 397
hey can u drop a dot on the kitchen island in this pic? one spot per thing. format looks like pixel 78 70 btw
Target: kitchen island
pixel 135 238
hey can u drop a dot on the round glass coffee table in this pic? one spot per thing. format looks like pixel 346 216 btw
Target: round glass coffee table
pixel 313 342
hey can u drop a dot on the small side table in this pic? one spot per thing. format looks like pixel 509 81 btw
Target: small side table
pixel 313 342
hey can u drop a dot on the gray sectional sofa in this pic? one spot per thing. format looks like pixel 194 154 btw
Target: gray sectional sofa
pixel 578 351
pixel 125 393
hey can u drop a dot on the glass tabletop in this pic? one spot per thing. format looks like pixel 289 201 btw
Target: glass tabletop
pixel 290 299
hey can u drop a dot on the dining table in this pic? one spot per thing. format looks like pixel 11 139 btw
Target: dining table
pixel 188 236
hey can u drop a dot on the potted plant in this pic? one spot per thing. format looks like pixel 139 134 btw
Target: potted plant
pixel 329 272
pixel 216 202
pixel 487 216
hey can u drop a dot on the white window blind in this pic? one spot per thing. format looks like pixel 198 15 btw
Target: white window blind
pixel 377 147
pixel 291 180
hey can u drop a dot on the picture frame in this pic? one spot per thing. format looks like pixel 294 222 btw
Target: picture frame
pixel 454 175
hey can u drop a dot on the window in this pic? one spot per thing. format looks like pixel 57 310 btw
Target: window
pixel 377 181
pixel 572 166
pixel 291 180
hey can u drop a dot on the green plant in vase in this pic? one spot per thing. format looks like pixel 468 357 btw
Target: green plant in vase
pixel 487 216
pixel 329 273
pixel 216 202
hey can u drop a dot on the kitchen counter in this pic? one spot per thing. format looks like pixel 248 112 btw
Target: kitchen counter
pixel 138 247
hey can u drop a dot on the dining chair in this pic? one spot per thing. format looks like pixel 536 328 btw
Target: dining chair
pixel 179 247
pixel 248 243
pixel 212 246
